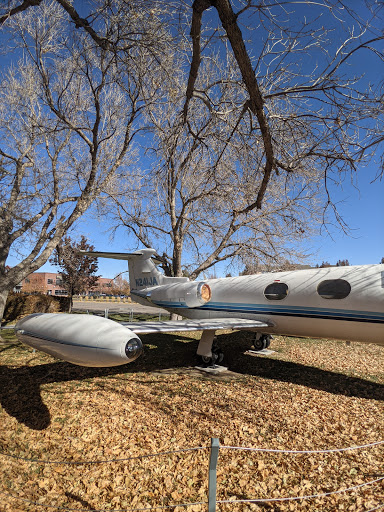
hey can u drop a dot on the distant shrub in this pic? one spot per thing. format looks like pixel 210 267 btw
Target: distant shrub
pixel 19 305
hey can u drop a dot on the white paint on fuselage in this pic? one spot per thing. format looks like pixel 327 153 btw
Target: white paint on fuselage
pixel 303 312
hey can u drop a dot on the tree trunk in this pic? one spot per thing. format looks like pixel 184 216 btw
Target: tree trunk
pixel 176 267
pixel 3 301
pixel 70 302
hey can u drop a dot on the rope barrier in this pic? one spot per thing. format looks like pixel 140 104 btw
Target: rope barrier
pixel 71 509
pixel 164 507
pixel 376 508
pixel 183 450
pixel 102 461
pixel 262 450
pixel 332 450
pixel 297 498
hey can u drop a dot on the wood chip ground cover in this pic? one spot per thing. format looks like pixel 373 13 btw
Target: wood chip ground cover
pixel 310 394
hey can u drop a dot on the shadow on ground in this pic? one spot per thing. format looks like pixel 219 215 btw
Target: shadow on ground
pixel 20 388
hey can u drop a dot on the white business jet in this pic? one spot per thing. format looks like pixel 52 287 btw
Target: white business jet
pixel 344 303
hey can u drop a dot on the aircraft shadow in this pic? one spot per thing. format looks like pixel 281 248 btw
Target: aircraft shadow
pixel 20 388
pixel 296 373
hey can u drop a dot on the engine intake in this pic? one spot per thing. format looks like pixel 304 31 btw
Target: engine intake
pixel 197 295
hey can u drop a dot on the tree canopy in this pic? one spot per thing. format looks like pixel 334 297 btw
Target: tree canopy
pixel 247 112
pixel 272 118
pixel 78 272
pixel 69 113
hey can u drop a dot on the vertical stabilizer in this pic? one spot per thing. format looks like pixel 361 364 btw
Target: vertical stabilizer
pixel 143 272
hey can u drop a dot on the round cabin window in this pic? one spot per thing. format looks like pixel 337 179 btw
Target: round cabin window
pixel 276 291
pixel 334 289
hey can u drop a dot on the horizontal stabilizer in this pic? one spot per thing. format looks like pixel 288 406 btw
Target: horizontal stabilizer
pixel 194 325
pixel 112 255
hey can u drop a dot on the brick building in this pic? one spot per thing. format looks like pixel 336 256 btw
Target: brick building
pixel 103 286
pixel 51 283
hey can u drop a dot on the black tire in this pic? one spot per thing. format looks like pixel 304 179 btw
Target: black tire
pixel 262 343
pixel 217 357
pixel 259 344
pixel 220 356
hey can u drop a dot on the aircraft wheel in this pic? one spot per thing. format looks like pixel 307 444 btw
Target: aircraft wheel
pixel 217 357
pixel 220 356
pixel 263 342
pixel 206 359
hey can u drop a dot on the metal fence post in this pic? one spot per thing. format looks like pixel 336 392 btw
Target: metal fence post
pixel 212 484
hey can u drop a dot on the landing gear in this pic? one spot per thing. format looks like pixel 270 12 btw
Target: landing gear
pixel 216 357
pixel 209 352
pixel 262 341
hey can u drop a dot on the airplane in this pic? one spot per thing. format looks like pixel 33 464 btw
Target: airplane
pixel 344 303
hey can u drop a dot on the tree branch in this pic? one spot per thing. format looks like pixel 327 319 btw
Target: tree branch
pixel 20 8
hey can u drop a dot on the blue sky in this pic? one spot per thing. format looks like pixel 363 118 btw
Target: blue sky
pixel 361 204
pixel 362 208
pixel 363 211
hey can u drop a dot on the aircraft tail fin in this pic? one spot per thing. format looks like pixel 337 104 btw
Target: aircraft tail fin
pixel 142 267
pixel 143 272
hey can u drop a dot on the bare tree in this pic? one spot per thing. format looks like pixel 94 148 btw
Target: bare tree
pixel 298 102
pixel 197 196
pixel 340 101
pixel 69 112
pixel 246 167
pixel 329 34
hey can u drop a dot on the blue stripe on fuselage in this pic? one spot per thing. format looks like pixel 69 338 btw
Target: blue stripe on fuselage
pixel 294 311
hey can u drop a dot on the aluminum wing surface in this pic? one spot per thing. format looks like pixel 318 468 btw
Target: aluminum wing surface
pixel 194 325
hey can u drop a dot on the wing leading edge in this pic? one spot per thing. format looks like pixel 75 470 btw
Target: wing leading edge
pixel 194 325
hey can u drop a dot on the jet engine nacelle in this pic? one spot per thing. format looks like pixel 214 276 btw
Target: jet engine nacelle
pixel 192 294
pixel 197 294
pixel 84 340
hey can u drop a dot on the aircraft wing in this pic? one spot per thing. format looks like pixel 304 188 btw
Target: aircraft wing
pixel 194 325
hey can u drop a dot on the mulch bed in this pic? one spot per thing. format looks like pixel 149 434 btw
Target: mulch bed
pixel 308 395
